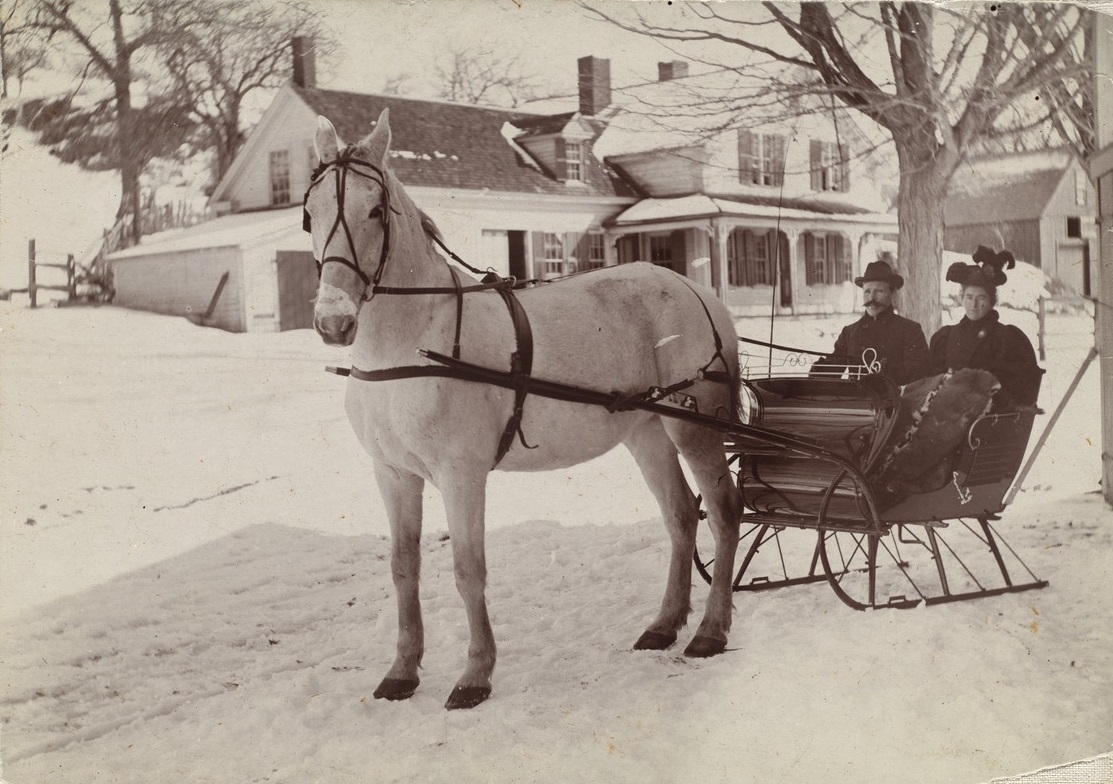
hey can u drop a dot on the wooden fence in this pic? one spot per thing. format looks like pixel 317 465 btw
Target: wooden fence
pixel 34 287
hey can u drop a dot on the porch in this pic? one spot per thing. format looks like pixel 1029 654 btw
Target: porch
pixel 758 258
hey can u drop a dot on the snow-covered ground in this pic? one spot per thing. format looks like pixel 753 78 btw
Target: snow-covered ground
pixel 194 587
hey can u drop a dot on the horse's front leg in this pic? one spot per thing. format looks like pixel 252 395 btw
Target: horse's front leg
pixel 465 494
pixel 401 493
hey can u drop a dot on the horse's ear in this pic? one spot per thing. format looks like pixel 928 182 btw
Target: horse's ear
pixel 326 141
pixel 377 143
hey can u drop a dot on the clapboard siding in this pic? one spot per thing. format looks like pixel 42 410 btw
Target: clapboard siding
pixel 290 129
pixel 181 283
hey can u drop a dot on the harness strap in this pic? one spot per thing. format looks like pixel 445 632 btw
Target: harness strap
pixel 720 376
pixel 521 365
pixel 521 362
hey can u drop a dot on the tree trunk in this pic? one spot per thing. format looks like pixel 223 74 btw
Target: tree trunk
pixel 923 188
pixel 126 160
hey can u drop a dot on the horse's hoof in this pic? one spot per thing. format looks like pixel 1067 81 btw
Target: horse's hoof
pixel 467 697
pixel 701 647
pixel 654 641
pixel 395 689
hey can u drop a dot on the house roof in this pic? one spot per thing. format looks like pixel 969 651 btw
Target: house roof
pixel 445 145
pixel 1002 188
pixel 238 229
pixel 699 206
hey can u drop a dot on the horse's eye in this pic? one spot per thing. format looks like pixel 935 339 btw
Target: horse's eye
pixel 376 212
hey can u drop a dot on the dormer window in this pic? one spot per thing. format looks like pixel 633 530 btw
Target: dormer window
pixel 574 161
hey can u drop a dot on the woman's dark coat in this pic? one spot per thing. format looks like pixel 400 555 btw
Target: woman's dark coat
pixel 987 344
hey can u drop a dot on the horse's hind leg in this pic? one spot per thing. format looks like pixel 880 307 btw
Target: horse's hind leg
pixel 401 493
pixel 656 457
pixel 703 452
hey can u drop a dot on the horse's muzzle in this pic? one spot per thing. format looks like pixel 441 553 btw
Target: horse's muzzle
pixel 336 330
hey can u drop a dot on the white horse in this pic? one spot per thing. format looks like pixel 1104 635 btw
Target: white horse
pixel 628 328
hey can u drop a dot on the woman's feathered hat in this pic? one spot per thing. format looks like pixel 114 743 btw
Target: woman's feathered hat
pixel 988 269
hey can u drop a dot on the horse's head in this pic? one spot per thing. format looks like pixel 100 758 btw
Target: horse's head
pixel 347 212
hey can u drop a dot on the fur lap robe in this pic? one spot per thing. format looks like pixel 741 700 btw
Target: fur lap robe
pixel 935 414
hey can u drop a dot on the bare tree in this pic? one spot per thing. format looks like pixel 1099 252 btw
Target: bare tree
pixel 236 48
pixel 937 77
pixel 110 35
pixel 473 74
pixel 22 45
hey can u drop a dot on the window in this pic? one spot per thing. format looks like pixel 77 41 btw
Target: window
pixel 596 250
pixel 761 158
pixel 817 262
pixel 1074 228
pixel 830 166
pixel 749 258
pixel 827 259
pixel 280 177
pixel 553 259
pixel 769 159
pixel 1080 188
pixel 574 157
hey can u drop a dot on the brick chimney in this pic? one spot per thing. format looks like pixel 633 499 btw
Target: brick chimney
pixel 595 84
pixel 304 61
pixel 674 69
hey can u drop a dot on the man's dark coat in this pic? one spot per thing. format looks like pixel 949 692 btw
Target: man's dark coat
pixel 901 347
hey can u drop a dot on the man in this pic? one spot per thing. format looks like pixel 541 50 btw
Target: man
pixel 899 343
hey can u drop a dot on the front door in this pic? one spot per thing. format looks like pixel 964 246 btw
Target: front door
pixel 297 288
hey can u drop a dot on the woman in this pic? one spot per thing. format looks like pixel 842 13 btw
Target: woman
pixel 936 411
pixel 980 340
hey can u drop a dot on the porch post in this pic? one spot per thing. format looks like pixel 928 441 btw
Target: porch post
pixel 719 273
pixel 854 238
pixel 792 235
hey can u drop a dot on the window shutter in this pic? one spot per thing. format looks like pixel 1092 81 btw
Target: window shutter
pixel 749 272
pixel 575 255
pixel 815 164
pixel 538 252
pixel 745 157
pixel 844 168
pixel 561 159
pixel 833 262
pixel 809 260
pixel 583 250
pixel 778 160
pixel 627 247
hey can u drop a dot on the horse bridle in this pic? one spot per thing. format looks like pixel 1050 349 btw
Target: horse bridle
pixel 346 162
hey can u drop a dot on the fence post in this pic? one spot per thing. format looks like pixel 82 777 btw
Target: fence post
pixel 1042 315
pixel 71 276
pixel 31 271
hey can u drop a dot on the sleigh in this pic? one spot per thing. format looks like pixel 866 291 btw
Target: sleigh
pixel 873 548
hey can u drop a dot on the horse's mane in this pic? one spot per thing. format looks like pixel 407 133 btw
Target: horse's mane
pixel 429 226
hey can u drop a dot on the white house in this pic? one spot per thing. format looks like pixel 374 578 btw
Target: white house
pixel 538 195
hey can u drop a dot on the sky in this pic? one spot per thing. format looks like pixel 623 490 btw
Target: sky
pixel 381 38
